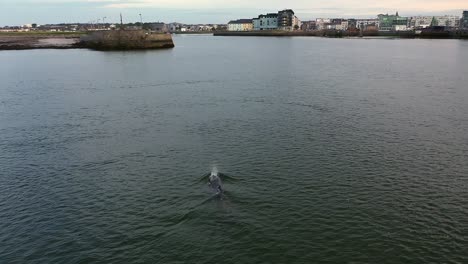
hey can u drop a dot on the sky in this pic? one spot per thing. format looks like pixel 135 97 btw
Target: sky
pixel 18 12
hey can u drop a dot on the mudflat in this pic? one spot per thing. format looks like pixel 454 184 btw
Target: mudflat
pixel 38 41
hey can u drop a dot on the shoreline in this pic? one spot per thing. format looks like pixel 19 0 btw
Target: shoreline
pixel 73 40
pixel 340 34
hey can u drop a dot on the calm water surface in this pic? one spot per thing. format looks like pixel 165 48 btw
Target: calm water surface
pixel 336 151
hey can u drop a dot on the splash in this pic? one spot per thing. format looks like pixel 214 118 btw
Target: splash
pixel 214 171
pixel 214 181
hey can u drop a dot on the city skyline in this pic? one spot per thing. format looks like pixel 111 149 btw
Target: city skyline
pixel 17 12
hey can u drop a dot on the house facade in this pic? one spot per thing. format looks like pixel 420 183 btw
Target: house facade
pixel 240 25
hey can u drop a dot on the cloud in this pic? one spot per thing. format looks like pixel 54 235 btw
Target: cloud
pixel 423 5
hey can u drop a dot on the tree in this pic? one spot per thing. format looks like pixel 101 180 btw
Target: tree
pixel 296 27
pixel 146 26
pixel 434 22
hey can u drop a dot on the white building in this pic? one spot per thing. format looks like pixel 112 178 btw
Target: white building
pixel 400 27
pixel 321 23
pixel 344 25
pixel 296 23
pixel 364 23
pixel 448 21
pixel 266 22
pixel 427 21
pixel 420 22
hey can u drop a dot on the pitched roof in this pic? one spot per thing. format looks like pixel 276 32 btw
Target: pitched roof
pixel 240 21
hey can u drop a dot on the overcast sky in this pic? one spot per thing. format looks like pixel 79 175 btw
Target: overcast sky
pixel 17 12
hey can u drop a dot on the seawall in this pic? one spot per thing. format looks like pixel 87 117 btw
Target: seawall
pixel 126 40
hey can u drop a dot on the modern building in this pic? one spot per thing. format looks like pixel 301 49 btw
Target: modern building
pixel 420 22
pixel 288 21
pixel 283 20
pixel 266 22
pixel 464 20
pixel 364 24
pixel 240 25
pixel 392 22
pixel 448 21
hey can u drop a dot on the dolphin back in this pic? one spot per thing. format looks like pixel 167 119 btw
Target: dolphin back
pixel 215 183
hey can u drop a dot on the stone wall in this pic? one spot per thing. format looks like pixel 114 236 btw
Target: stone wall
pixel 126 40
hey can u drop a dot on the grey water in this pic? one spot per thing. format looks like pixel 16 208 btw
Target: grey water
pixel 331 151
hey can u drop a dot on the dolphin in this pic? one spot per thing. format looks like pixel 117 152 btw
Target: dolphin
pixel 214 181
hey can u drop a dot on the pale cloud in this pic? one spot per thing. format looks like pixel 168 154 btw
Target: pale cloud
pixel 103 1
pixel 423 5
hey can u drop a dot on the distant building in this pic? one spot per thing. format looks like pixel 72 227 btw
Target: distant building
pixel 296 23
pixel 266 22
pixel 283 20
pixel 288 21
pixel 420 22
pixel 322 23
pixel 366 24
pixel 172 27
pixel 344 25
pixel 10 29
pixel 240 25
pixel 158 27
pixel 392 22
pixel 308 25
pixel 448 21
pixel 332 24
pixel 464 20
pixel 386 21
